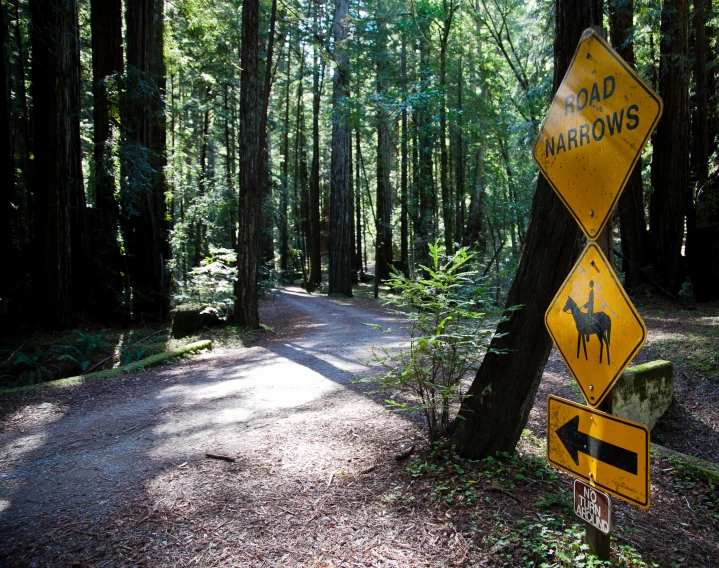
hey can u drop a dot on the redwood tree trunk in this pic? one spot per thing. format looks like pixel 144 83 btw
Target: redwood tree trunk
pixel 340 268
pixel 7 161
pixel 631 203
pixel 503 392
pixel 246 286
pixel 383 258
pixel 106 24
pixel 314 219
pixel 59 195
pixel 670 162
pixel 145 228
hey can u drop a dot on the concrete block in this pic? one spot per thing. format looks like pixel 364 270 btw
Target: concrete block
pixel 643 393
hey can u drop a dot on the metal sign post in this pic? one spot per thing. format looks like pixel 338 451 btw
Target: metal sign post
pixel 592 137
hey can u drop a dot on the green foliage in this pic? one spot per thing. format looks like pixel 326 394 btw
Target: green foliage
pixel 448 337
pixel 212 283
pixel 80 353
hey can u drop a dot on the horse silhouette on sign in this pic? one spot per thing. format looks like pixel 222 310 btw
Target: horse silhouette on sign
pixel 592 323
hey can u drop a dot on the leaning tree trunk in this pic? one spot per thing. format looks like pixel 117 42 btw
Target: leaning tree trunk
pixel 670 162
pixel 503 392
pixel 340 269
pixel 59 195
pixel 145 228
pixel 246 287
pixel 106 25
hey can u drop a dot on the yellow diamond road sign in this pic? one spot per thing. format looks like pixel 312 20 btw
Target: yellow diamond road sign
pixel 595 130
pixel 594 325
pixel 609 452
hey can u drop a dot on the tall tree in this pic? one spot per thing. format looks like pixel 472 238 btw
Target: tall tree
pixel 631 203
pixel 7 160
pixel 383 257
pixel 59 196
pixel 314 220
pixel 503 391
pixel 670 161
pixel 404 180
pixel 107 65
pixel 246 286
pixel 145 226
pixel 340 261
pixel 702 230
pixel 449 7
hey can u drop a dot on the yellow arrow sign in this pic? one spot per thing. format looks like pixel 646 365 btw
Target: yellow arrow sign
pixel 594 325
pixel 610 453
pixel 595 130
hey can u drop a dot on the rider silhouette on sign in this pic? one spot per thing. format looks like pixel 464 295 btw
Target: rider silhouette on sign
pixel 590 305
pixel 590 323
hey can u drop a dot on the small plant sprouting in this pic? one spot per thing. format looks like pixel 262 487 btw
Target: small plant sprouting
pixel 448 337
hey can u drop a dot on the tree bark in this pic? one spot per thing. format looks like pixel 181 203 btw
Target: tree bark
pixel 268 218
pixel 631 203
pixel 383 255
pixel 404 195
pixel 284 196
pixel 246 287
pixel 703 272
pixel 340 261
pixel 315 244
pixel 424 226
pixel 503 392
pixel 7 159
pixel 459 205
pixel 670 161
pixel 59 195
pixel 107 65
pixel 23 143
pixel 447 197
pixel 145 228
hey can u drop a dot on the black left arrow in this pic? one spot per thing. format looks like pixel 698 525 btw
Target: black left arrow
pixel 575 441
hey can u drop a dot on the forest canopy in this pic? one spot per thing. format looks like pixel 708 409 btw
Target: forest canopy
pixel 156 153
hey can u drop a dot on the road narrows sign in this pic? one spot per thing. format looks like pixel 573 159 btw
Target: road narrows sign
pixel 594 325
pixel 595 130
pixel 610 453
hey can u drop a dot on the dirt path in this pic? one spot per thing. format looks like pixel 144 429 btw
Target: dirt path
pixel 79 453
pixel 114 473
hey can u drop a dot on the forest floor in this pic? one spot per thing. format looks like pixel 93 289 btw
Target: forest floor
pixel 114 472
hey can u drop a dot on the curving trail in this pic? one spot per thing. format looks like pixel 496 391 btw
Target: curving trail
pixel 81 454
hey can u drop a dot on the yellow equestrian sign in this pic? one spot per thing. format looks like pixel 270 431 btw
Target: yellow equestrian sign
pixel 594 325
pixel 595 130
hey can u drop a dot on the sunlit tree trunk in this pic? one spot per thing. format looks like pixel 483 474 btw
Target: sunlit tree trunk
pixel 246 286
pixel 503 391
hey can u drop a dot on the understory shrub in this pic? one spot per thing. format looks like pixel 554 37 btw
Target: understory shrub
pixel 448 337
